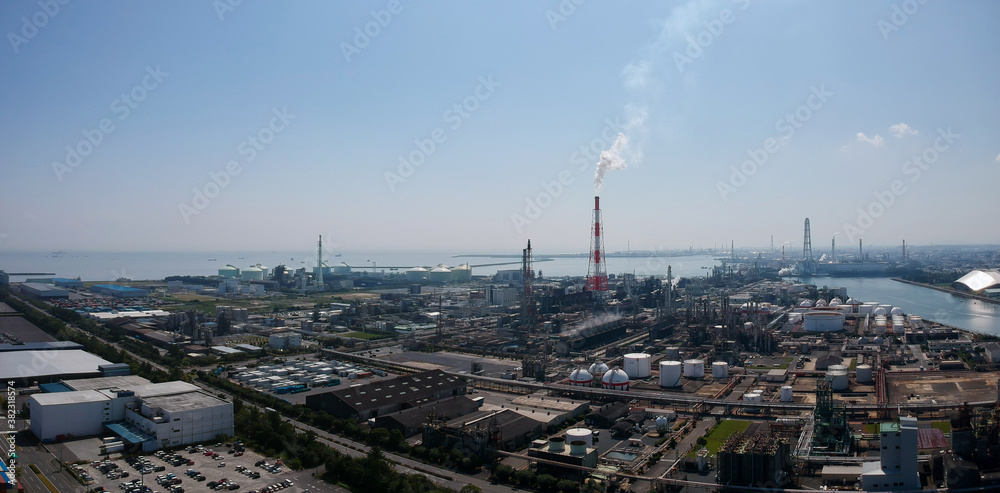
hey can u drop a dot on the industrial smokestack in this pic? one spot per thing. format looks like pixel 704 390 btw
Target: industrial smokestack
pixel 597 274
pixel 861 250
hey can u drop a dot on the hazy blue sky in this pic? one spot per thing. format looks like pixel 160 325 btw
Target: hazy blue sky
pixel 315 105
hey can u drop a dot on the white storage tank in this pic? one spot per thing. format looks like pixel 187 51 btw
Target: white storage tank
pixel 581 378
pixel 672 353
pixel 864 374
pixel 720 369
pixel 416 274
pixel 580 434
pixel 694 368
pixel 670 373
pixel 440 274
pixel 462 273
pixel 342 269
pixel 637 365
pixel 230 272
pixel 598 368
pixel 786 393
pixel 252 274
pixel 823 321
pixel 838 379
pixel 662 424
pixel 754 396
pixel 615 379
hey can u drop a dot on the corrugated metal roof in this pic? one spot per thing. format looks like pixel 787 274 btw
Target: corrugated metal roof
pixel 36 364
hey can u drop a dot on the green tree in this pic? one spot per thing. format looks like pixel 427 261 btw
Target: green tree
pixel 470 488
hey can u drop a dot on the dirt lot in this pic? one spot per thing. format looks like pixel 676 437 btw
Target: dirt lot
pixel 942 387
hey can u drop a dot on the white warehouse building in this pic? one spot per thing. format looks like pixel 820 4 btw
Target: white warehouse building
pixel 154 415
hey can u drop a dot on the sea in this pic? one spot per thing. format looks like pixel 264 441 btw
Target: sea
pixel 957 311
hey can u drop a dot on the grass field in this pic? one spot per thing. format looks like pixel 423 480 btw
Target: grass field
pixel 363 335
pixel 944 426
pixel 720 433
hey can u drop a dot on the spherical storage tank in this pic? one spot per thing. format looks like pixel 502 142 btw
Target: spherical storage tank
pixel 416 274
pixel 342 269
pixel 786 393
pixel 581 435
pixel 694 368
pixel 229 271
pixel 825 321
pixel 662 423
pixel 637 365
pixel 864 374
pixel 615 379
pixel 440 274
pixel 581 378
pixel 462 273
pixel 252 274
pixel 720 369
pixel 598 368
pixel 670 373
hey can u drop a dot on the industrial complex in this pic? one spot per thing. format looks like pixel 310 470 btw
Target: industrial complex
pixel 749 375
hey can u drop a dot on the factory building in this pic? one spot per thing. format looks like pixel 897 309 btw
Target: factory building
pixel 285 340
pixel 150 416
pixel 387 396
pixel 33 363
pixel 43 291
pixel 751 459
pixel 409 421
pixel 896 469
pixel 119 291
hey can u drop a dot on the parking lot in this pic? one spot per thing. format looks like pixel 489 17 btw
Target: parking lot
pixel 214 467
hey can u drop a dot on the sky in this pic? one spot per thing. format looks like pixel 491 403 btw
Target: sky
pixel 467 127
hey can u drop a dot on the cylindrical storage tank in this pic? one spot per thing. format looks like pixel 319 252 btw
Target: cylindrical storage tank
pixel 694 368
pixel 837 368
pixel 581 378
pixel 252 274
pixel 580 434
pixel 754 396
pixel 670 373
pixel 440 274
pixel 598 368
pixel 637 365
pixel 416 274
pixel 838 380
pixel 229 272
pixel 720 369
pixel 557 444
pixel 462 273
pixel 825 321
pixel 578 447
pixel 786 393
pixel 864 374
pixel 342 268
pixel 615 379
pixel 672 353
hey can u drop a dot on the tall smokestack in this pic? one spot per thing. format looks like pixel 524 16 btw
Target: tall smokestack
pixel 861 250
pixel 904 250
pixel 319 260
pixel 597 274
pixel 833 249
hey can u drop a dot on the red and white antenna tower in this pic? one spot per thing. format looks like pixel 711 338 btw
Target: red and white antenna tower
pixel 597 271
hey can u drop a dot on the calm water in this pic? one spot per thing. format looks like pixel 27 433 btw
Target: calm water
pixel 931 304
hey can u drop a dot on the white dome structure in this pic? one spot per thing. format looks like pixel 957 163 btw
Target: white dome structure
pixel 637 365
pixel 440 274
pixel 252 274
pixel 598 368
pixel 416 274
pixel 820 303
pixel 896 311
pixel 462 273
pixel 581 378
pixel 977 280
pixel 615 379
pixel 229 272
pixel 662 424
pixel 670 373
pixel 805 304
pixel 836 300
pixel 879 311
pixel 342 269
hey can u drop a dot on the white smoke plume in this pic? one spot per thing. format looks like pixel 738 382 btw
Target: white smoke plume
pixel 590 323
pixel 615 157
